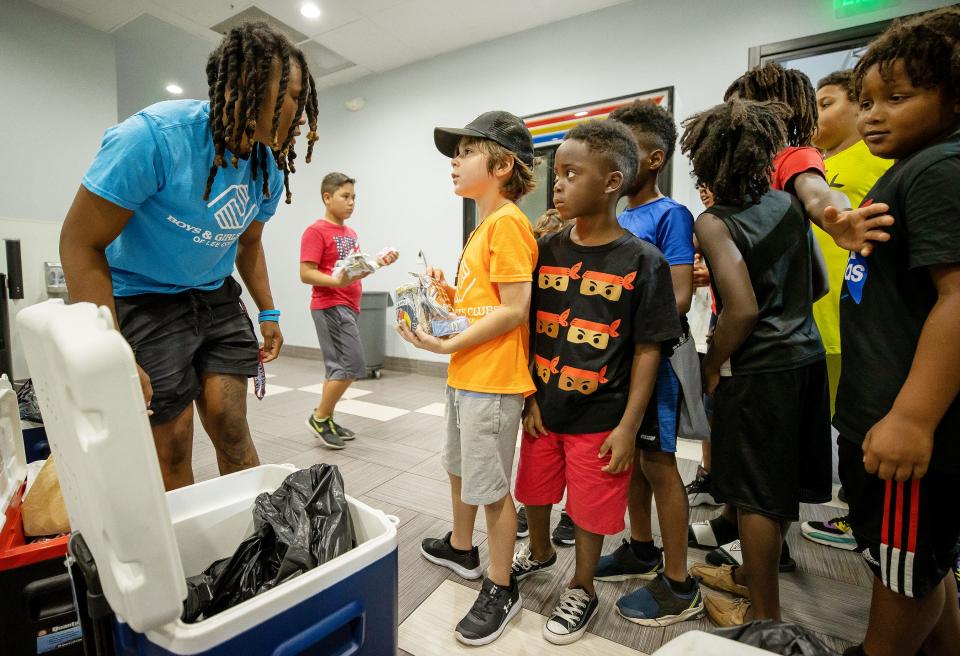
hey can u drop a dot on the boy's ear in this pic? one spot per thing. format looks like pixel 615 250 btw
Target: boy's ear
pixel 326 197
pixel 657 159
pixel 614 182
pixel 503 168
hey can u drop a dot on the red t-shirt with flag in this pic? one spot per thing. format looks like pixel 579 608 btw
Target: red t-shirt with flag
pixel 791 162
pixel 323 243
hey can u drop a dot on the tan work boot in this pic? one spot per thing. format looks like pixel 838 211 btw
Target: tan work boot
pixel 719 577
pixel 726 612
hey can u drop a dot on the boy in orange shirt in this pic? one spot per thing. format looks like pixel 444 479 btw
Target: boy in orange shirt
pixel 489 376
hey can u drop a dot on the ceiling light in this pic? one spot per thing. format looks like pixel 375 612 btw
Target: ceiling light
pixel 579 114
pixel 310 10
pixel 175 89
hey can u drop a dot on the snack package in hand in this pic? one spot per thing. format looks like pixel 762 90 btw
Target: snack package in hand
pixel 384 252
pixel 425 303
pixel 355 264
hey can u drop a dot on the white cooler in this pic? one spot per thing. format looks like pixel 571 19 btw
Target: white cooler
pixel 146 542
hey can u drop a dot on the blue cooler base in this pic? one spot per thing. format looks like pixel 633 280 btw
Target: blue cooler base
pixel 358 615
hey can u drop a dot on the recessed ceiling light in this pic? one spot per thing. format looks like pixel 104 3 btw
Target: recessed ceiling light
pixel 175 89
pixel 578 114
pixel 310 10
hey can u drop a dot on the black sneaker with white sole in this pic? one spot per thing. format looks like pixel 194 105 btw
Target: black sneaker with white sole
pixel 494 608
pixel 324 429
pixel 564 535
pixel 344 433
pixel 624 564
pixel 522 529
pixel 698 490
pixel 524 565
pixel 569 619
pixel 732 554
pixel 463 563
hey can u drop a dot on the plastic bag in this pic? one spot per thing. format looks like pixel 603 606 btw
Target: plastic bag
pixel 777 637
pixel 425 303
pixel 301 525
pixel 355 264
pixel 27 400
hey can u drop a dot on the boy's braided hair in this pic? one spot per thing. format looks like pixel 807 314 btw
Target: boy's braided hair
pixel 928 45
pixel 242 61
pixel 647 116
pixel 732 146
pixel 842 79
pixel 774 82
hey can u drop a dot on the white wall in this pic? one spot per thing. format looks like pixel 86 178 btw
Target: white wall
pixel 404 191
pixel 59 95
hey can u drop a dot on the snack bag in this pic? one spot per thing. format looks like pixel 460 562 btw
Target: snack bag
pixel 425 303
pixel 355 264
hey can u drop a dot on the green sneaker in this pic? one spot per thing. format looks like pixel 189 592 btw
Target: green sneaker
pixel 325 429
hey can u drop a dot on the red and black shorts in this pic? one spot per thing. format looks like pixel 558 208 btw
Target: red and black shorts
pixel 906 531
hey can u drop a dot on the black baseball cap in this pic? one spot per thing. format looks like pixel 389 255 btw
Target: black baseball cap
pixel 502 127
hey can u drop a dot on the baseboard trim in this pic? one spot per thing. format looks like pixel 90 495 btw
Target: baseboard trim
pixel 403 365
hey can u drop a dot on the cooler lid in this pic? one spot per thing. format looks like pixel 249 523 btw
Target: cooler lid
pixel 95 417
pixel 13 462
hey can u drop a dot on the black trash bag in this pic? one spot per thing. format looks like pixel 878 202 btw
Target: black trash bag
pixel 301 525
pixel 778 637
pixel 27 402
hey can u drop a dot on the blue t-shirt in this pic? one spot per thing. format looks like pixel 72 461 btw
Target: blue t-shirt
pixel 156 164
pixel 666 224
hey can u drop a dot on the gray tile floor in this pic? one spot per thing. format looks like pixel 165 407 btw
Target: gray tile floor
pixel 394 465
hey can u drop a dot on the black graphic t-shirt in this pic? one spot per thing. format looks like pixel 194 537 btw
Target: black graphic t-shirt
pixel 887 296
pixel 590 305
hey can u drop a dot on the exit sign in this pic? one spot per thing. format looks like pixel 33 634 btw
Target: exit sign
pixel 845 8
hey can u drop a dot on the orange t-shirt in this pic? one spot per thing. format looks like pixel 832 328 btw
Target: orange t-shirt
pixel 501 249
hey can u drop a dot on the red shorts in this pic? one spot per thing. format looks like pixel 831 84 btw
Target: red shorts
pixel 596 500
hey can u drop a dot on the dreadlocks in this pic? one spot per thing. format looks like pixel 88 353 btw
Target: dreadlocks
pixel 928 45
pixel 732 146
pixel 774 82
pixel 242 62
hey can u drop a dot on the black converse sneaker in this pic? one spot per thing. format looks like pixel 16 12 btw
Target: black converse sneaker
pixel 570 617
pixel 464 563
pixel 494 607
pixel 564 534
pixel 522 529
pixel 524 565
pixel 698 490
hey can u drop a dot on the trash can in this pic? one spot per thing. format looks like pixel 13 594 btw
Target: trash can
pixel 373 329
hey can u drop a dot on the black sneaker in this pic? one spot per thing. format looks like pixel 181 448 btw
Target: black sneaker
pixel 464 563
pixel 522 529
pixel 570 617
pixel 494 607
pixel 524 565
pixel 732 554
pixel 344 433
pixel 325 431
pixel 698 490
pixel 623 564
pixel 564 533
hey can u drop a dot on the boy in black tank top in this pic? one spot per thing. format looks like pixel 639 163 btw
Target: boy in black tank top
pixel 897 408
pixel 765 365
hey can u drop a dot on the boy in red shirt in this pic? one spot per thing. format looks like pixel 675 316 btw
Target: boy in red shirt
pixel 335 304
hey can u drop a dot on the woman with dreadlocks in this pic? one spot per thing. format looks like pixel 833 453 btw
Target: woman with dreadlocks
pixel 771 432
pixel 177 195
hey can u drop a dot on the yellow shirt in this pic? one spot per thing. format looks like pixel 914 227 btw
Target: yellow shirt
pixel 852 171
pixel 501 249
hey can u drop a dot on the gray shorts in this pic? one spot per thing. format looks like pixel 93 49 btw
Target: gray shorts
pixel 340 342
pixel 480 442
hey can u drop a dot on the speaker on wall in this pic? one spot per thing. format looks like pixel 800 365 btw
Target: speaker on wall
pixel 14 269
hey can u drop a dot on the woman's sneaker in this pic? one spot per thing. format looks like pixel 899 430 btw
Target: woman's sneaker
pixel 494 608
pixel 464 563
pixel 834 533
pixel 570 617
pixel 564 535
pixel 522 529
pixel 624 564
pixel 524 565
pixel 325 430
pixel 658 604
pixel 732 554
pixel 698 490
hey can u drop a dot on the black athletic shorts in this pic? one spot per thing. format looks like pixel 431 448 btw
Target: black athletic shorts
pixel 178 337
pixel 771 441
pixel 906 531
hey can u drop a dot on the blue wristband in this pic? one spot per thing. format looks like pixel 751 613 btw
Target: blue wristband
pixel 269 315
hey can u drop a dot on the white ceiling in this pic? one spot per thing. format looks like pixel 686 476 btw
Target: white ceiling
pixel 377 35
